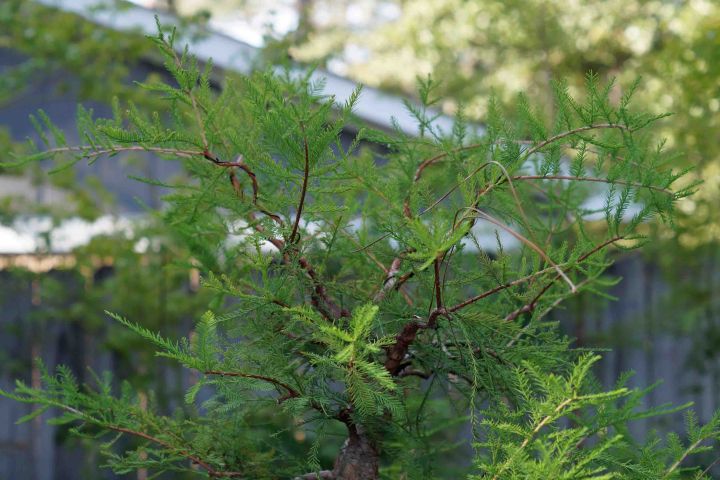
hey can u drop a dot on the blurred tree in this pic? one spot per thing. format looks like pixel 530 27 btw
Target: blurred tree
pixel 62 55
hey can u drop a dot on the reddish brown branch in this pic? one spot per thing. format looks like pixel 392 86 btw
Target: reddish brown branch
pixel 397 351
pixel 437 287
pixel 303 192
pixel 291 392
pixel 239 163
pixel 319 296
pixel 530 306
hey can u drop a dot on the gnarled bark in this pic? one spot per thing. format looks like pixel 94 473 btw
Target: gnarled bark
pixel 358 458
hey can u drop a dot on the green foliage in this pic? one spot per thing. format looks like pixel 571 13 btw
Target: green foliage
pixel 562 427
pixel 357 292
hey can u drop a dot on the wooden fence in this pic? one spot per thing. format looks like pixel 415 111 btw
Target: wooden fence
pixel 635 327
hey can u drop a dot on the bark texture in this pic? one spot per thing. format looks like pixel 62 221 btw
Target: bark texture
pixel 358 458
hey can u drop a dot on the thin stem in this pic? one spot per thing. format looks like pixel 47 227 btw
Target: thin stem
pixel 527 242
pixel 685 454
pixel 519 281
pixel 291 391
pixel 574 131
pixel 193 101
pixel 438 290
pixel 303 192
pixel 590 179
pixel 212 472
pixel 88 151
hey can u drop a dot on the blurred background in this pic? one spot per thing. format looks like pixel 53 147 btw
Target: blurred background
pixel 82 240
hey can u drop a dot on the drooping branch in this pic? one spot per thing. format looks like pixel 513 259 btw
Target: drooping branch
pixel 212 472
pixel 527 242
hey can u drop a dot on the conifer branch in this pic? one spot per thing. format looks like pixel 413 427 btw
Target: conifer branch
pixel 574 131
pixel 438 289
pixel 303 192
pixel 193 101
pixel 547 419
pixel 499 288
pixel 527 242
pixel 440 156
pixel 590 179
pixel 238 163
pixel 391 281
pixel 291 392
pixel 397 351
pixel 682 458
pixel 212 472
pixel 88 151
pixel 530 306
pixel 319 296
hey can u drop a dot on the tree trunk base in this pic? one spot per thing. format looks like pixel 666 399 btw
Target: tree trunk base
pixel 358 458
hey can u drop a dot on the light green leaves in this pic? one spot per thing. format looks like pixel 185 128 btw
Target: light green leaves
pixel 352 351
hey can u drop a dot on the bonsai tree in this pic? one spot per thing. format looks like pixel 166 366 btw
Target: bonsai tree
pixel 358 301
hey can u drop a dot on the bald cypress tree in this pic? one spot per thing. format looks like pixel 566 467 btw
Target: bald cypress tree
pixel 358 300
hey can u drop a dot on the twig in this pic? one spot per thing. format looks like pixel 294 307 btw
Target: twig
pixel 88 151
pixel 709 467
pixel 574 131
pixel 390 282
pixel 212 472
pixel 438 289
pixel 527 242
pixel 303 192
pixel 685 454
pixel 292 393
pixel 529 307
pixel 590 179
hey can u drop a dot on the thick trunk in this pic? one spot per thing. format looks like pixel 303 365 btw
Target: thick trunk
pixel 358 458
